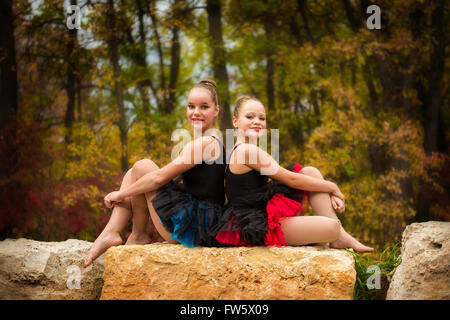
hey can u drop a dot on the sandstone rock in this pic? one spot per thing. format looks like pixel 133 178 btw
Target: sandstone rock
pixel 424 272
pixel 168 271
pixel 48 270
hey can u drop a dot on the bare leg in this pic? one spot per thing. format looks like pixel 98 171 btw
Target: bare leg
pixel 142 206
pixel 302 230
pixel 156 221
pixel 110 235
pixel 321 205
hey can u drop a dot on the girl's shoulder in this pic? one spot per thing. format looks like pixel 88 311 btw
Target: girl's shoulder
pixel 248 148
pixel 205 140
pixel 247 153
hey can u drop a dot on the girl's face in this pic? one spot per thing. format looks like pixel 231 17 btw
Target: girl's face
pixel 251 118
pixel 201 110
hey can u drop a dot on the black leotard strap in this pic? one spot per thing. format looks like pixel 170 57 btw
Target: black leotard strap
pixel 231 153
pixel 223 152
pixel 218 140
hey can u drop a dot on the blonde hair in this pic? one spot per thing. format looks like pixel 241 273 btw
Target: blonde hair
pixel 211 86
pixel 240 101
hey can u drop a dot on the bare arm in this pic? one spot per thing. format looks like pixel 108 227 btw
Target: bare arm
pixel 264 163
pixel 156 179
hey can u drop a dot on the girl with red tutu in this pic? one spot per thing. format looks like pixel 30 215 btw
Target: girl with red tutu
pixel 263 213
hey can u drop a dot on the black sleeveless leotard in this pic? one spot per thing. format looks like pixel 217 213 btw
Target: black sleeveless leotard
pixel 189 210
pixel 255 206
pixel 206 181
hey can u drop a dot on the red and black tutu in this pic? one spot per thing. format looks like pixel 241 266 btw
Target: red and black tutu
pixel 253 219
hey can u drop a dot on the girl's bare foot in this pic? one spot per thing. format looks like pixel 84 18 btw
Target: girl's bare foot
pixel 347 241
pixel 138 238
pixel 101 244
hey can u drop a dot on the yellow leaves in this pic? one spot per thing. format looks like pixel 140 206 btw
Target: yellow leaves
pixel 87 156
pixel 376 206
pixel 91 192
pixel 361 58
pixel 390 182
pixel 370 214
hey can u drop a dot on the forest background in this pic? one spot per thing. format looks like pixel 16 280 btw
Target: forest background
pixel 79 106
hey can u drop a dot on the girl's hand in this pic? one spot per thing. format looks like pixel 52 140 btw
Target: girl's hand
pixel 337 193
pixel 338 204
pixel 112 198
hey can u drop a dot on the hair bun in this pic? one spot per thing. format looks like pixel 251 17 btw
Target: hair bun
pixel 208 82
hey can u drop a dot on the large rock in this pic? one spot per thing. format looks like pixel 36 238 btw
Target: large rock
pixel 424 272
pixel 168 271
pixel 48 270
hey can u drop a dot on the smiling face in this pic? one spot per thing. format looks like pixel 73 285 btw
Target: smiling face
pixel 201 109
pixel 251 118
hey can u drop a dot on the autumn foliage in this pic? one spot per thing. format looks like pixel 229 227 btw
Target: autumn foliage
pixel 368 108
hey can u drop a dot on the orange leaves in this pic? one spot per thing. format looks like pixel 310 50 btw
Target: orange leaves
pixel 341 148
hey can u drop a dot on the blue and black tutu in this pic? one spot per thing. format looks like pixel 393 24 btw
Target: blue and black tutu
pixel 188 219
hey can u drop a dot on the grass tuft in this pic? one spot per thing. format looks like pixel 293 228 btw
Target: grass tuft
pixel 374 274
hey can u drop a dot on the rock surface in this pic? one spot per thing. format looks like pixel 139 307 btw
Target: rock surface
pixel 168 271
pixel 48 270
pixel 424 272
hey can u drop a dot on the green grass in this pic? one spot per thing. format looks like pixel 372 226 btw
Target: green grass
pixel 387 261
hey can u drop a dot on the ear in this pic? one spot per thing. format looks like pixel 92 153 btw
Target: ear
pixel 217 110
pixel 235 122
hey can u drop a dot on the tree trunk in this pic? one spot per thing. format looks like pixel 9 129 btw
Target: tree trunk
pixel 71 53
pixel 8 89
pixel 434 82
pixel 315 102
pixel 355 23
pixel 79 100
pixel 385 74
pixel 269 27
pixel 219 63
pixel 432 105
pixel 349 11
pixel 174 69
pixel 143 84
pixel 368 78
pixel 113 44
pixel 302 10
pixel 160 100
pixel 295 30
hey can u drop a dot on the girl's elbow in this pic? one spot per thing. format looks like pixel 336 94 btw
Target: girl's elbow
pixel 295 183
pixel 159 180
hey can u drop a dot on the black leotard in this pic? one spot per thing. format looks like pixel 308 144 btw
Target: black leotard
pixel 246 220
pixel 206 181
pixel 241 185
pixel 190 210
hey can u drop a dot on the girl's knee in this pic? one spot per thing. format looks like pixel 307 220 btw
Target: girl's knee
pixel 141 167
pixel 127 178
pixel 334 229
pixel 312 171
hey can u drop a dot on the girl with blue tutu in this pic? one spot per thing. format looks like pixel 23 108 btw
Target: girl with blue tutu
pixel 181 213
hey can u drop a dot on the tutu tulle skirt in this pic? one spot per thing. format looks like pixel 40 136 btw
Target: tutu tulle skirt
pixel 254 218
pixel 189 220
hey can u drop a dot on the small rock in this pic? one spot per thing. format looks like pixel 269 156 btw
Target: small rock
pixel 48 270
pixel 424 272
